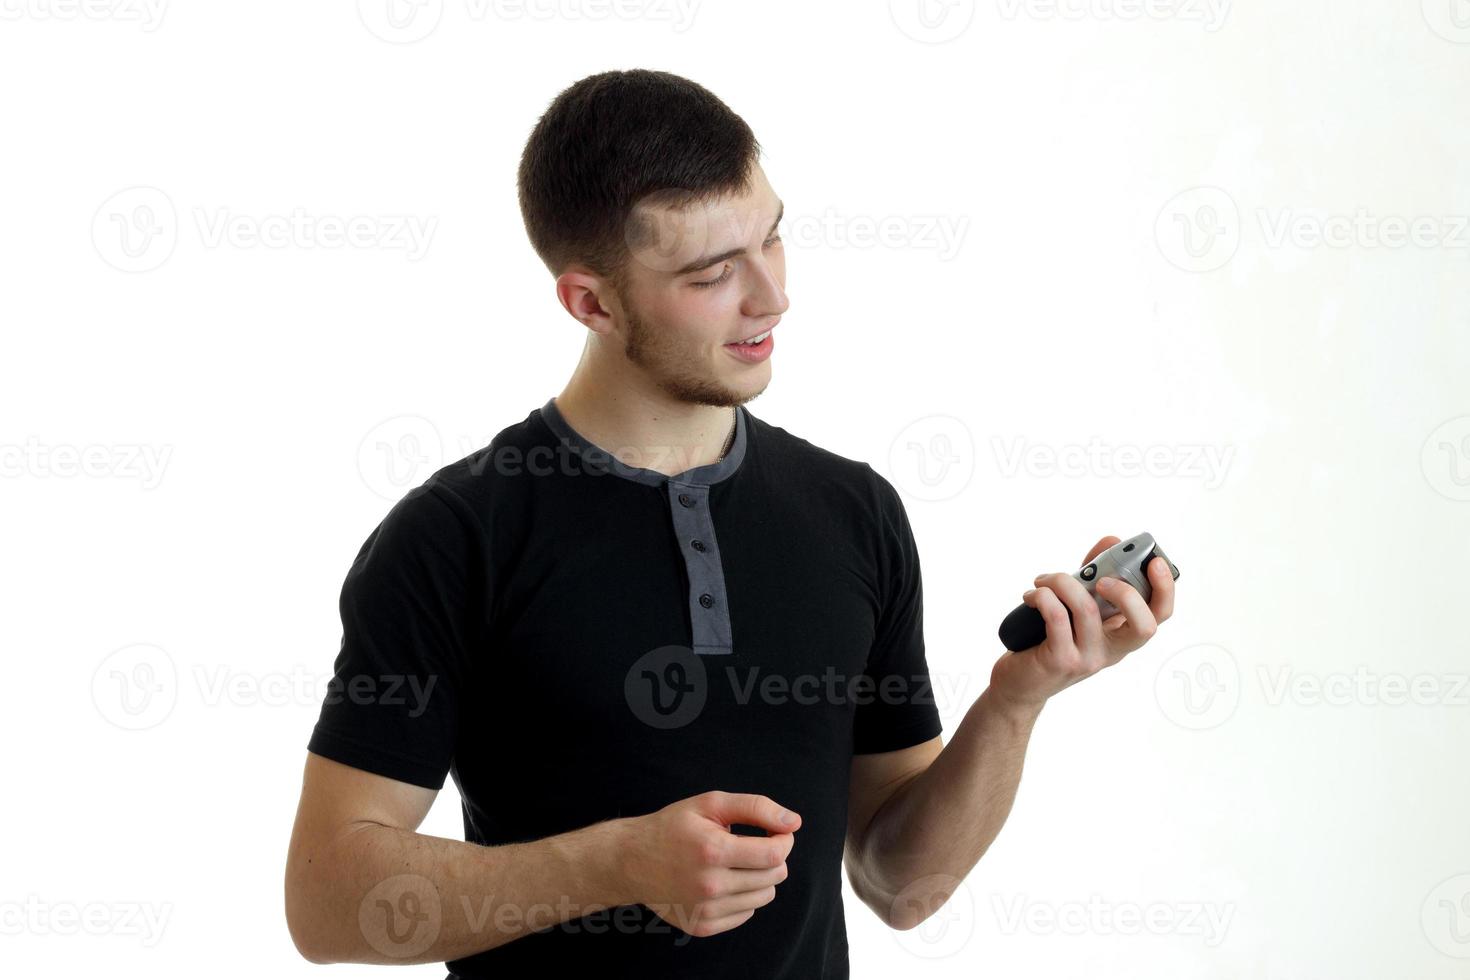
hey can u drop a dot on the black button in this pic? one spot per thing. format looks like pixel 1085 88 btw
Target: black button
pixel 706 600
pixel 1088 573
pixel 686 500
pixel 697 544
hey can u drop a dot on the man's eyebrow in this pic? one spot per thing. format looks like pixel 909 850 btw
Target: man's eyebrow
pixel 706 261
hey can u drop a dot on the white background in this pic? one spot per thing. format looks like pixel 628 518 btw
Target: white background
pixel 1190 267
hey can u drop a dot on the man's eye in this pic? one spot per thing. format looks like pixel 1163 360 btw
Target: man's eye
pixel 726 274
pixel 713 282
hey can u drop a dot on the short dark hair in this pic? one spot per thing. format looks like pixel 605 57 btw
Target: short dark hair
pixel 620 138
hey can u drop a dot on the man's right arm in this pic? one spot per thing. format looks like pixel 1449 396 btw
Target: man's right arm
pixel 362 886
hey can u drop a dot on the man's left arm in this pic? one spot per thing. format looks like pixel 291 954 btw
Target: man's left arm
pixel 914 835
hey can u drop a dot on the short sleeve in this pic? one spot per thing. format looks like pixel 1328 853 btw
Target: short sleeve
pixel 411 607
pixel 898 709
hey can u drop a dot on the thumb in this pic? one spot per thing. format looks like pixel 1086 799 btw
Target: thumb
pixel 752 809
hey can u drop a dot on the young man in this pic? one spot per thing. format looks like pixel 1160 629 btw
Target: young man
pixel 672 654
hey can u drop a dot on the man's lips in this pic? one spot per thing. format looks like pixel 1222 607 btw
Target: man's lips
pixel 757 333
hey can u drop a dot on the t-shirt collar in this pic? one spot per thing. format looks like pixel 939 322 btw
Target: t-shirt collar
pixel 595 455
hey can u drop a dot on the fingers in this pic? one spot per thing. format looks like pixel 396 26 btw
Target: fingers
pixel 1054 614
pixel 738 882
pixel 711 927
pixel 751 809
pixel 1140 619
pixel 759 853
pixel 726 906
pixel 1087 627
pixel 1162 582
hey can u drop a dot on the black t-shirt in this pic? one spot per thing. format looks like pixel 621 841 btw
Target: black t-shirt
pixel 577 640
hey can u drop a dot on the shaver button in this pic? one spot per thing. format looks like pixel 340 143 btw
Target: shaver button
pixel 1089 573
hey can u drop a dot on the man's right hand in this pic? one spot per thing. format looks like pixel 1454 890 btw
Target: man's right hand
pixel 684 863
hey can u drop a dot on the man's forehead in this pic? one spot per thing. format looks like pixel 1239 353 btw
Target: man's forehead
pixel 679 232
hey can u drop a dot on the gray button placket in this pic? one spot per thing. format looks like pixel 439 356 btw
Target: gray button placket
pixel 688 496
pixel 694 529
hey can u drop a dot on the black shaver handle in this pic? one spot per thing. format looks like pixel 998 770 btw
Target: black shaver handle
pixel 1023 628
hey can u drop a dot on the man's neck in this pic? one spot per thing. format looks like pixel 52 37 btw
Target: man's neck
pixel 659 434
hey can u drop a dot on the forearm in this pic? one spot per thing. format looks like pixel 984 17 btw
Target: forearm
pixel 367 894
pixel 942 821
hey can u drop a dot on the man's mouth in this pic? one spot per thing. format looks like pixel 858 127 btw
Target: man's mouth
pixel 755 339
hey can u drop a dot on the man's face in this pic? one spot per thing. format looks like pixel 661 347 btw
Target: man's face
pixel 698 281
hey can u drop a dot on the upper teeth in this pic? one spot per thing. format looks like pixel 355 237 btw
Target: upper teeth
pixel 757 338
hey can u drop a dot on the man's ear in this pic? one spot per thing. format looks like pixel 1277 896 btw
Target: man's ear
pixel 581 293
